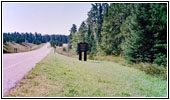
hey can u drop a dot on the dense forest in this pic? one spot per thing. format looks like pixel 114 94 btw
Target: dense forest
pixel 137 32
pixel 36 38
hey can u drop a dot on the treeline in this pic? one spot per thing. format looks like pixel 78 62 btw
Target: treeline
pixel 138 32
pixel 56 43
pixel 36 38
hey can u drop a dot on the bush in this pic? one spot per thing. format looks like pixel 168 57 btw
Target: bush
pixel 154 69
pixel 91 57
pixel 161 59
pixel 64 49
pixel 55 42
pixel 52 43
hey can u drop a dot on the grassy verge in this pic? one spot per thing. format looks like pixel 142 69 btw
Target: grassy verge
pixel 62 76
pixel 23 47
pixel 148 68
pixel 151 69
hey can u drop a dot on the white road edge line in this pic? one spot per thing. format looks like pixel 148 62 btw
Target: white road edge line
pixel 20 62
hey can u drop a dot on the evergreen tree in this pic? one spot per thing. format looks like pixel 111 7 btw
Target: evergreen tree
pixel 82 31
pixel 33 38
pixel 159 29
pixel 91 42
pixel 114 16
pixel 144 42
pixel 73 30
pixel 95 20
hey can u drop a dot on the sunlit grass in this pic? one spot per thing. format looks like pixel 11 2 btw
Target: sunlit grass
pixel 22 47
pixel 148 68
pixel 62 76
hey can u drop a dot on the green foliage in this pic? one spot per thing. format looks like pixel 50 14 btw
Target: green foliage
pixel 52 43
pixel 148 68
pixel 91 42
pixel 125 31
pixel 72 32
pixel 82 31
pixel 138 32
pixel 64 49
pixel 159 23
pixel 160 59
pixel 113 19
pixel 146 41
pixel 32 38
pixel 36 42
pixel 4 41
pixel 154 70
pixel 56 43
pixel 90 30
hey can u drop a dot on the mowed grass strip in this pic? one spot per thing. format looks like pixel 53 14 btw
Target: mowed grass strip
pixel 62 76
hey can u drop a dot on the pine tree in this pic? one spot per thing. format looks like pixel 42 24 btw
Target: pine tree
pixel 82 31
pixel 113 18
pixel 73 30
pixel 91 42
pixel 139 43
pixel 159 28
pixel 147 39
pixel 95 20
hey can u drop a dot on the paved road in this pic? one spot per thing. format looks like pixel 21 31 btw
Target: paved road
pixel 15 66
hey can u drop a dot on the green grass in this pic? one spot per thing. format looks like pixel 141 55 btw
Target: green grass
pixel 62 76
pixel 149 68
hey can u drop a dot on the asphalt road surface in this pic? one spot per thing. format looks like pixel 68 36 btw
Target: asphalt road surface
pixel 15 66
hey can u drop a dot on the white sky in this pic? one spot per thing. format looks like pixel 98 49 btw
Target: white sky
pixel 44 18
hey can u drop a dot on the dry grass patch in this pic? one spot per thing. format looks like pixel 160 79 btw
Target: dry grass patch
pixel 23 47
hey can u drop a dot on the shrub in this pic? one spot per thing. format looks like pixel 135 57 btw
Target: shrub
pixel 161 59
pixel 91 57
pixel 64 49
pixel 153 69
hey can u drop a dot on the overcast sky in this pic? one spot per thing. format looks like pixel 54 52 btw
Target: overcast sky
pixel 44 18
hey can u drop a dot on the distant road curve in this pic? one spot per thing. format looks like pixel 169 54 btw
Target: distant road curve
pixel 15 66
